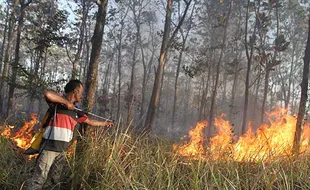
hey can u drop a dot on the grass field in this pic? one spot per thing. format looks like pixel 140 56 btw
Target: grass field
pixel 117 160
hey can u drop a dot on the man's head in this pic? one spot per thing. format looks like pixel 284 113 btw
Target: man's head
pixel 74 89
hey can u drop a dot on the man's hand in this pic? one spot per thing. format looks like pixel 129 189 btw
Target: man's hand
pixel 70 105
pixel 54 97
pixel 109 124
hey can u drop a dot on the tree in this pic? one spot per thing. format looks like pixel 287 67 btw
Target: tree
pixel 184 34
pixel 163 52
pixel 303 95
pixel 23 5
pixel 46 34
pixel 218 66
pixel 151 19
pixel 81 24
pixel 8 49
pixel 249 56
pixel 91 80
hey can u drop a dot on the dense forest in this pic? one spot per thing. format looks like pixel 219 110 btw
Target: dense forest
pixel 232 74
pixel 156 65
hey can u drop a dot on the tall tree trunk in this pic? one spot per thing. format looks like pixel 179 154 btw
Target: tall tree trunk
pixel 176 80
pixel 185 108
pixel 303 97
pixel 131 86
pixel 266 86
pixel 6 60
pixel 203 109
pixel 112 108
pixel 203 99
pixel 4 38
pixel 87 44
pixel 119 66
pixel 218 66
pixel 224 98
pixel 78 54
pixel 15 64
pixel 256 89
pixel 91 80
pixel 233 90
pixel 268 70
pixel 137 22
pixel 161 86
pixel 146 76
pixel 179 66
pixel 155 93
pixel 288 96
pixel 164 48
pixel 249 56
pixel 33 78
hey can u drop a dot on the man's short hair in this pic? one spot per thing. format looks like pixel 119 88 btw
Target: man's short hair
pixel 72 84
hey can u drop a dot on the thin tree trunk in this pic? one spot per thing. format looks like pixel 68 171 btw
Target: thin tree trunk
pixel 164 48
pixel 78 54
pixel 161 87
pixel 119 66
pixel 179 66
pixel 33 77
pixel 203 99
pixel 288 96
pixel 233 91
pixel 146 76
pixel 87 34
pixel 249 56
pixel 224 98
pixel 253 115
pixel 214 90
pixel 91 80
pixel 114 93
pixel 16 61
pixel 137 21
pixel 304 96
pixel 146 69
pixel 185 108
pixel 131 86
pixel 266 85
pixel 176 83
pixel 155 93
pixel 7 53
pixel 4 39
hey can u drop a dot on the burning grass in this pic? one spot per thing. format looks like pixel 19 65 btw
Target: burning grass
pixel 271 141
pixel 14 166
pixel 120 160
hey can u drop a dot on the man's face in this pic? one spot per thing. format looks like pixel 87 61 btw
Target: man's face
pixel 78 93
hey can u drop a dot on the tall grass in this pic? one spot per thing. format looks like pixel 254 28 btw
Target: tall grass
pixel 15 168
pixel 120 160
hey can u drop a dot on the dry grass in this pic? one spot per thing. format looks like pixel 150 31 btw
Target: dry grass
pixel 117 160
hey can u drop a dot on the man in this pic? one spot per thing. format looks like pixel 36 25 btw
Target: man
pixel 59 132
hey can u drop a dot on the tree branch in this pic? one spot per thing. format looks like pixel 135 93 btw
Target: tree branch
pixel 180 23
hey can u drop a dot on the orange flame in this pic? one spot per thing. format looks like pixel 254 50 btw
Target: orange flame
pixel 194 148
pixel 22 138
pixel 221 144
pixel 71 149
pixel 7 132
pixel 271 141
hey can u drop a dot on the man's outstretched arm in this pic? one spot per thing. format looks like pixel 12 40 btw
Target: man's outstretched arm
pixel 98 123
